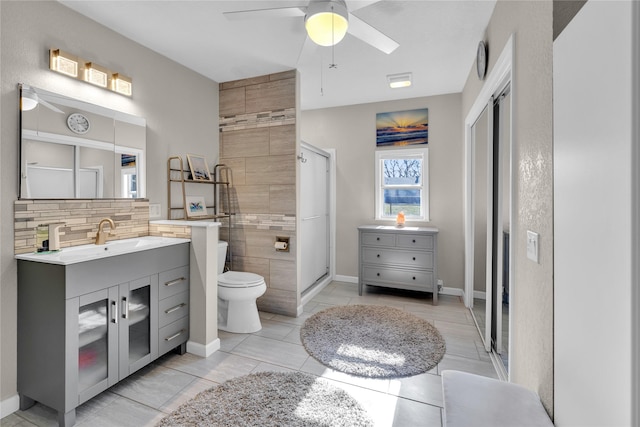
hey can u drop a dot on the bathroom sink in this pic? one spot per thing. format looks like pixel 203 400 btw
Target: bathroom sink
pixel 90 252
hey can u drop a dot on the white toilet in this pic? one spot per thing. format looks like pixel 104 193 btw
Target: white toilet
pixel 237 294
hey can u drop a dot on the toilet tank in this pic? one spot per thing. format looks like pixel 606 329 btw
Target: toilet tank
pixel 222 255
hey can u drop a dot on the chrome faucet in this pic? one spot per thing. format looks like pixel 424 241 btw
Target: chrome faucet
pixel 101 237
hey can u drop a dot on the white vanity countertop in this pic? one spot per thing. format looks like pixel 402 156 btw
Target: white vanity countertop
pixel 76 254
pixel 185 223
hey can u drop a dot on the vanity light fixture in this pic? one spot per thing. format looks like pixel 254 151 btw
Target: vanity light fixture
pixel 95 74
pixel 399 80
pixel 121 84
pixel 63 62
pixel 89 72
pixel 326 22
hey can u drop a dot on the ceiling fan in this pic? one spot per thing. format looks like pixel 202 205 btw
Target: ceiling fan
pixel 326 22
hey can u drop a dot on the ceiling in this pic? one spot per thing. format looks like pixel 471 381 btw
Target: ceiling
pixel 438 41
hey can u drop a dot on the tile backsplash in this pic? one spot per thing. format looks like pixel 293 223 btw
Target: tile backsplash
pixel 81 219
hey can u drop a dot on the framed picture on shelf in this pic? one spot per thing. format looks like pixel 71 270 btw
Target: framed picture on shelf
pixel 199 168
pixel 195 206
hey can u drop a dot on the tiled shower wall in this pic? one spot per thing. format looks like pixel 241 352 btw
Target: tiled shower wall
pixel 81 219
pixel 258 144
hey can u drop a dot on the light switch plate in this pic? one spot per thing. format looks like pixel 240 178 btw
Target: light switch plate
pixel 532 246
pixel 154 211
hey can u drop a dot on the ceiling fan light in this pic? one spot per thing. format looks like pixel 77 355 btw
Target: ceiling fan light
pixel 326 22
pixel 28 99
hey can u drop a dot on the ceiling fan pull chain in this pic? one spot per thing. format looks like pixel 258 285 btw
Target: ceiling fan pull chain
pixel 333 42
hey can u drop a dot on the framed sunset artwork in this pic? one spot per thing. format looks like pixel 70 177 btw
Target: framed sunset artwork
pixel 402 128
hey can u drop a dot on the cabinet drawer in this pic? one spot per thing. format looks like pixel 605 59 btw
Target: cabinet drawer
pixel 173 308
pixel 173 335
pixel 415 259
pixel 173 282
pixel 378 239
pixel 414 241
pixel 390 275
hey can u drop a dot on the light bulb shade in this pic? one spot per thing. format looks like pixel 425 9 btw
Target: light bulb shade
pixel 28 100
pixel 326 22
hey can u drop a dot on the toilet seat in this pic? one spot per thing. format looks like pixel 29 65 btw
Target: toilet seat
pixel 239 279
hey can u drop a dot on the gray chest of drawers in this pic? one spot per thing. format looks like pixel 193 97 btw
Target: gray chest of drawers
pixel 399 257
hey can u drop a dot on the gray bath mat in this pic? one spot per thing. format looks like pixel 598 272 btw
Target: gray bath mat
pixel 271 399
pixel 372 341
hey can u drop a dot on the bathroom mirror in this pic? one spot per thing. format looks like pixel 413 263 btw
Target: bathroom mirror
pixel 70 149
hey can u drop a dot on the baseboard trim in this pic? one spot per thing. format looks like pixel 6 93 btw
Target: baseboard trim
pixel 480 295
pixel 9 406
pixel 457 292
pixel 203 350
pixel 347 279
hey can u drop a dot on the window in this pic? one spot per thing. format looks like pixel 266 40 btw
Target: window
pixel 402 184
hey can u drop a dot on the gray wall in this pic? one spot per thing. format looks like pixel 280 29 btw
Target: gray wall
pixel 351 131
pixel 532 299
pixel 181 108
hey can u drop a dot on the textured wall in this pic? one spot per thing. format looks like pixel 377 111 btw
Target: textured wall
pixel 181 117
pixel 532 298
pixel 351 131
pixel 258 144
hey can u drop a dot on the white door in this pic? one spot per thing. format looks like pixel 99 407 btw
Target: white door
pixel 314 214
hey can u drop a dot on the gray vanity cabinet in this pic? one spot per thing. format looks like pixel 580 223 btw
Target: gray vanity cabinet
pixel 83 327
pixel 399 257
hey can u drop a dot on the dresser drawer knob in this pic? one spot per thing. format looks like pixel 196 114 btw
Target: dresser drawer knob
pixel 378 274
pixel 378 239
pixel 378 255
pixel 414 240
pixel 414 277
pixel 414 258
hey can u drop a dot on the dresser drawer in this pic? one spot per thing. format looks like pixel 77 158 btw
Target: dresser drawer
pixel 173 308
pixel 390 275
pixel 414 241
pixel 173 335
pixel 415 259
pixel 378 239
pixel 173 282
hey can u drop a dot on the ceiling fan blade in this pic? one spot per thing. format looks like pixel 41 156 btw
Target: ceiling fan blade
pixel 365 32
pixel 280 12
pixel 308 48
pixel 359 4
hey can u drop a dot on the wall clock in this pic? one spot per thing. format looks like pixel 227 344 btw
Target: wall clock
pixel 78 123
pixel 481 60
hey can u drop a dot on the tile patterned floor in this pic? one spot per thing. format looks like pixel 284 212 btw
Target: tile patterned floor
pixel 148 395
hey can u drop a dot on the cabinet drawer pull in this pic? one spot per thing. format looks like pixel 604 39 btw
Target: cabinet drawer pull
pixel 414 240
pixel 414 258
pixel 172 309
pixel 174 282
pixel 378 239
pixel 378 255
pixel 114 312
pixel 378 274
pixel 414 277
pixel 174 336
pixel 125 308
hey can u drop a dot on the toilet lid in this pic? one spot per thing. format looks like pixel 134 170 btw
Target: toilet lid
pixel 239 279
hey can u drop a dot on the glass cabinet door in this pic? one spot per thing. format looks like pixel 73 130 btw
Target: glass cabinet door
pixel 138 345
pixel 96 316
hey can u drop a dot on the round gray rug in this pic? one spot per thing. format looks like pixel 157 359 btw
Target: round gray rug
pixel 372 341
pixel 270 399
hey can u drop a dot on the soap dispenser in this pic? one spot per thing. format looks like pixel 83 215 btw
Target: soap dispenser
pixel 54 236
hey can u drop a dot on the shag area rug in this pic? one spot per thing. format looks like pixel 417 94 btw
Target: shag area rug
pixel 372 341
pixel 271 399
